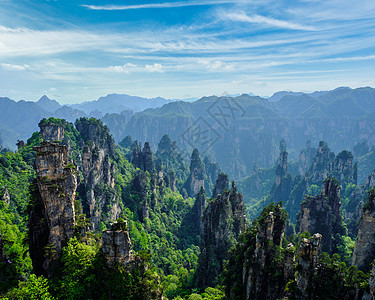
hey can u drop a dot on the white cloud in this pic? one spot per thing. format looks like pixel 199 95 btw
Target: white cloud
pixel 257 19
pixel 154 68
pixel 11 67
pixel 157 5
pixel 216 65
pixel 123 69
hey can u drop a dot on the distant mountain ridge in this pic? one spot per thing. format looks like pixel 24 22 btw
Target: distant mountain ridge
pixel 115 103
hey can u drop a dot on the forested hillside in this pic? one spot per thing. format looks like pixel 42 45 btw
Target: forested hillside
pixel 84 218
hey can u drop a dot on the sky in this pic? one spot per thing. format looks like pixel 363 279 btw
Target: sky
pixel 79 50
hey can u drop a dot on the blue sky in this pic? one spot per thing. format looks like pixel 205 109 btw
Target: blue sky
pixel 79 50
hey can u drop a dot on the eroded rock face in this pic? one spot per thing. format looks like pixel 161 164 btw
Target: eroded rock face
pixel 258 276
pixel 5 196
pixel 198 209
pixel 57 183
pixel 308 260
pixel 116 245
pixel 322 164
pixel 322 214
pixel 222 183
pixel 223 220
pixel 364 250
pixel 196 177
pixel 98 172
pixel 51 132
pixel 305 157
pixel 143 158
pixel 282 167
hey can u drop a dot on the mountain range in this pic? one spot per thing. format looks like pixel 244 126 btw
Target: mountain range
pixel 247 127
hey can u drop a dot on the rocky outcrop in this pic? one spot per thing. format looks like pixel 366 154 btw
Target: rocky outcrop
pixel 307 262
pixel 222 183
pixel 143 158
pixel 196 178
pixel 5 196
pixel 258 267
pixel 258 276
pixel 364 250
pixel 305 158
pixel 322 164
pixel 343 169
pixel 57 183
pixel 223 220
pixel 282 167
pixel 322 214
pixel 198 209
pixel 116 245
pixel 100 200
pixel 51 131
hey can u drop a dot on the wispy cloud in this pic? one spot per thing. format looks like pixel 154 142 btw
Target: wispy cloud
pixel 155 68
pixel 156 5
pixel 257 19
pixel 12 67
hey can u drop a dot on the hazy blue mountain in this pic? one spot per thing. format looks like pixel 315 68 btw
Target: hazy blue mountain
pixel 116 103
pixel 252 132
pixel 47 104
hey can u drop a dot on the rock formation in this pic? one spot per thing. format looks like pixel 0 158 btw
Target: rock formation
pixel 322 214
pixel 198 209
pixel 223 220
pixel 258 267
pixel 101 202
pixel 364 250
pixel 51 131
pixel 5 196
pixel 222 183
pixel 282 167
pixel 322 164
pixel 259 276
pixel 307 260
pixel 196 178
pixel 116 245
pixel 305 158
pixel 57 183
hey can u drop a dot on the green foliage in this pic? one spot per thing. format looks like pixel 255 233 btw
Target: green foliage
pixel 16 263
pixel 35 288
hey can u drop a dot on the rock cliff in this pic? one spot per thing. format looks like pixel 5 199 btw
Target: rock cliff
pixel 307 262
pixel 364 250
pixel 223 220
pixel 222 184
pixel 100 200
pixel 57 183
pixel 116 245
pixel 322 214
pixel 197 173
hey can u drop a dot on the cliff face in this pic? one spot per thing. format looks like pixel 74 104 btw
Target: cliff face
pixel 100 199
pixel 322 164
pixel 116 245
pixel 307 260
pixel 282 167
pixel 143 158
pixel 198 210
pixel 305 158
pixel 364 250
pixel 57 183
pixel 222 183
pixel 258 266
pixel 51 132
pixel 223 220
pixel 322 214
pixel 258 276
pixel 196 178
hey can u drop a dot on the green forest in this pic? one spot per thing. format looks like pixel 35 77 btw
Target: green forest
pixel 82 217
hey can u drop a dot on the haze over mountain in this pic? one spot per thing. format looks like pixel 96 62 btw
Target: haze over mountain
pixel 251 131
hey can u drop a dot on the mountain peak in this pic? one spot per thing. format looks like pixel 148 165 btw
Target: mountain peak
pixel 48 104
